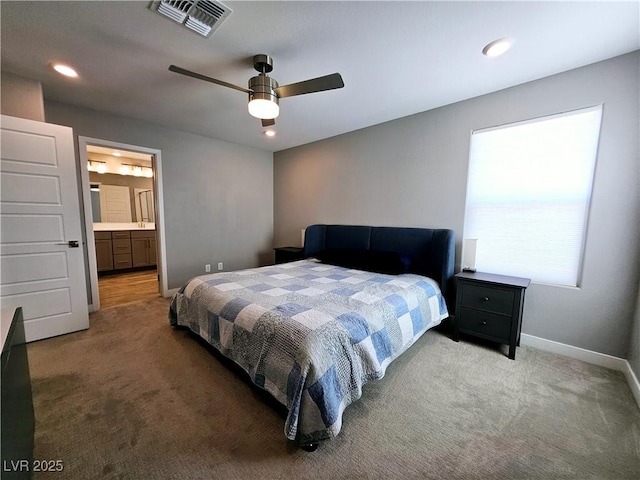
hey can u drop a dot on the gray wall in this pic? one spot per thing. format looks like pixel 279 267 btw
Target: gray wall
pixel 218 196
pixel 634 348
pixel 413 172
pixel 21 97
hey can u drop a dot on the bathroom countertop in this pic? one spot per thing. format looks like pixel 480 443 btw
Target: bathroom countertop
pixel 110 227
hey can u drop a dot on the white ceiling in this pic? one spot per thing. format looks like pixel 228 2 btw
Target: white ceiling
pixel 396 58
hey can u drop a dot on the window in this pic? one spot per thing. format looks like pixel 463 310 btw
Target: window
pixel 528 194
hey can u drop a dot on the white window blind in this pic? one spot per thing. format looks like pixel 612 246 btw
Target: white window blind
pixel 528 194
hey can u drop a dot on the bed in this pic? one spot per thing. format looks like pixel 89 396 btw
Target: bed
pixel 314 331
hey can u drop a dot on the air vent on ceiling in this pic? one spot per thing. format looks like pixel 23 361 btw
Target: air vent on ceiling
pixel 201 16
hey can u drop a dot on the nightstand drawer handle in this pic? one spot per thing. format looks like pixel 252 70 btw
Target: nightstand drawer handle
pixel 484 322
pixel 486 299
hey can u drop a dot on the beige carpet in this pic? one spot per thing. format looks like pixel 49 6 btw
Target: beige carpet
pixel 133 398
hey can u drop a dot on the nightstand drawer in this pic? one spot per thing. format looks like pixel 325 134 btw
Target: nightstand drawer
pixel 490 299
pixel 491 324
pixel 490 306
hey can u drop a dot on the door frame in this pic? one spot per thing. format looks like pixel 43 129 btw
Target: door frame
pixel 83 143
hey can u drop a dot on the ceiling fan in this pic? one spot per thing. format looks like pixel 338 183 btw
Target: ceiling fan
pixel 264 92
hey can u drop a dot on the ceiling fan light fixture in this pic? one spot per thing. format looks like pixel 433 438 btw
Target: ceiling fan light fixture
pixel 264 109
pixel 263 100
pixel 264 92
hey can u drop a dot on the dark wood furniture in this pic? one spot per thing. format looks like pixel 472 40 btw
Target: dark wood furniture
pixel 121 241
pixel 490 306
pixel 104 251
pixel 288 254
pixel 143 248
pixel 125 249
pixel 17 407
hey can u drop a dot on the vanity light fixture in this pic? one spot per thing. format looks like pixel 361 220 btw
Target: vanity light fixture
pixel 65 70
pixel 97 166
pixel 117 154
pixel 497 47
pixel 135 170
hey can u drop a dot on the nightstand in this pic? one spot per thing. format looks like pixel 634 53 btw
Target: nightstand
pixel 288 254
pixel 490 306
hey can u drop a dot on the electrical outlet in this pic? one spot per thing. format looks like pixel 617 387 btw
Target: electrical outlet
pixel 220 266
pixel 207 267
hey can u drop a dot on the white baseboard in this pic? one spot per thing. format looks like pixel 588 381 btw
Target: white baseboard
pixel 169 293
pixel 589 356
pixel 595 358
pixel 634 384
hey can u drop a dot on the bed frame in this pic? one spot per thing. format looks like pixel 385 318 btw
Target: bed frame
pixel 432 251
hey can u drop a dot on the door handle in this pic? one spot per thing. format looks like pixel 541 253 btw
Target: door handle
pixel 70 243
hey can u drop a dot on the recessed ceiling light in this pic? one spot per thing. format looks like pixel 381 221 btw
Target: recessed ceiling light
pixel 117 154
pixel 497 47
pixel 65 70
pixel 270 133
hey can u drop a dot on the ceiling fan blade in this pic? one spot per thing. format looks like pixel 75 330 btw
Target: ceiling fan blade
pixel 268 122
pixel 320 84
pixel 199 76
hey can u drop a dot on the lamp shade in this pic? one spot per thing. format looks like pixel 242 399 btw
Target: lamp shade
pixel 469 246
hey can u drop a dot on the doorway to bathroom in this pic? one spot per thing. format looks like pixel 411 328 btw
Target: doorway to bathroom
pixel 123 216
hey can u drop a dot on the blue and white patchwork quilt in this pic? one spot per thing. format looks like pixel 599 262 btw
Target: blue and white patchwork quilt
pixel 311 334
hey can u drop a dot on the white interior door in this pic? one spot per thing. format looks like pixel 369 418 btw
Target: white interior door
pixel 115 204
pixel 41 268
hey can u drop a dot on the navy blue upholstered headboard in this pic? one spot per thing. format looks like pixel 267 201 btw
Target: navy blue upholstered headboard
pixel 432 251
